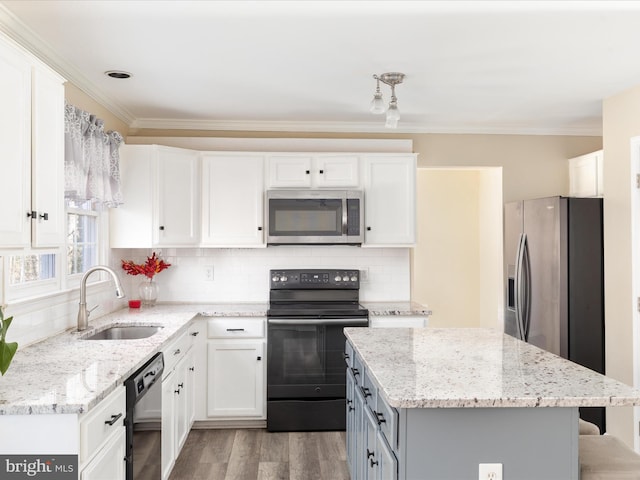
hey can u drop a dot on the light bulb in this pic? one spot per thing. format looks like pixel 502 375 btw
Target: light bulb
pixel 377 104
pixel 393 115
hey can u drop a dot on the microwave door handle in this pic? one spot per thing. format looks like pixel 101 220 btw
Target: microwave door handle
pixel 345 213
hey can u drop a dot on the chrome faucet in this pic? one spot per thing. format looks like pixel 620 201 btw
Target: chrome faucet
pixel 83 313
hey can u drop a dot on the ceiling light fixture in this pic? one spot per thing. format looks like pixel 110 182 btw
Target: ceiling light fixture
pixel 117 74
pixel 377 104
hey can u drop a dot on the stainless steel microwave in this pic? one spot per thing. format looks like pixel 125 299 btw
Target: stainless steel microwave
pixel 314 217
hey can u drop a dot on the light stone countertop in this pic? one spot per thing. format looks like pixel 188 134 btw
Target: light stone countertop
pixel 473 368
pixel 396 308
pixel 65 374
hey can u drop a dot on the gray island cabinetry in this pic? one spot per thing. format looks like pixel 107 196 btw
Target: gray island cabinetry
pixel 431 403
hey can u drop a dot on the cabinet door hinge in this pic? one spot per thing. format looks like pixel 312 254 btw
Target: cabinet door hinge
pixel 638 304
pixel 638 180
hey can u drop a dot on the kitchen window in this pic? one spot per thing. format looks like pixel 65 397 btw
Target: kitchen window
pixel 82 236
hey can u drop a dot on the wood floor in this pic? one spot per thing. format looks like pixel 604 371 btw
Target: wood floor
pixel 255 454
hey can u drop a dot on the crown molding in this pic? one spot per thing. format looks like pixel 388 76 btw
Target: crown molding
pixel 26 38
pixel 348 127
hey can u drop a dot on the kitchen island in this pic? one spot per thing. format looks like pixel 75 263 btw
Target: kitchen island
pixel 436 403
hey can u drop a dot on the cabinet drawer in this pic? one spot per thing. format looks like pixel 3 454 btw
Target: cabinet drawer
pixel 388 420
pixel 236 327
pixel 348 354
pixel 369 391
pixel 98 424
pixel 357 369
pixel 175 351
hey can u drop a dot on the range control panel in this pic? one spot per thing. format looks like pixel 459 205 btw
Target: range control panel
pixel 314 278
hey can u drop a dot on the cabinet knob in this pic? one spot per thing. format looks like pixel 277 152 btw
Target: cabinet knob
pixel 181 385
pixel 177 352
pixel 259 229
pixel 365 391
pixel 380 418
pixel 44 216
pixel 370 453
pixel 177 391
pixel 368 229
pixel 191 369
pixel 161 227
pixel 307 172
pixel 321 172
pixel 194 334
pixel 32 214
pixel 372 463
pixel 259 358
pixel 355 371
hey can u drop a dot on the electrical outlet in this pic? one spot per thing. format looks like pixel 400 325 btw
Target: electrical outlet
pixel 490 471
pixel 208 273
pixel 364 275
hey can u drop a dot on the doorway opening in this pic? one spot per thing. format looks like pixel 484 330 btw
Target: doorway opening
pixel 457 265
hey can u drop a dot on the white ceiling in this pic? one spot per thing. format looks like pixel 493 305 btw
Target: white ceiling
pixel 479 67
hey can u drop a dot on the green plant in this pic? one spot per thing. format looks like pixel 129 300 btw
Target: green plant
pixel 7 350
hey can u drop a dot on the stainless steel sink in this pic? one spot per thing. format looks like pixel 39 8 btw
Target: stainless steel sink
pixel 125 332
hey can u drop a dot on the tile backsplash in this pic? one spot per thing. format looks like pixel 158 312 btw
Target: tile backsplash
pixel 242 275
pixel 239 275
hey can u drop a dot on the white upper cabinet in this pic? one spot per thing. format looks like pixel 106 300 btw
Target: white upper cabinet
pixel 390 199
pixel 161 195
pixel 178 197
pixel 313 170
pixel 585 175
pixel 31 151
pixel 232 199
pixel 47 193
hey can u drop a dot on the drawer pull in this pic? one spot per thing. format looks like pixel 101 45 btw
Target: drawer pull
pixel 235 329
pixel 191 369
pixel 177 391
pixel 380 418
pixel 372 462
pixel 355 371
pixel 369 453
pixel 365 391
pixel 259 358
pixel 177 352
pixel 181 385
pixel 345 356
pixel 194 334
pixel 114 419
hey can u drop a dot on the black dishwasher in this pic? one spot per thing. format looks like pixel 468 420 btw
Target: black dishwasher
pixel 144 429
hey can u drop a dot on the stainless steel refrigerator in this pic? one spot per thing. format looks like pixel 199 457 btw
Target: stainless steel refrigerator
pixel 554 278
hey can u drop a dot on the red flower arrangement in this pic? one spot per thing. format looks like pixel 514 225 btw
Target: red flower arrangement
pixel 152 266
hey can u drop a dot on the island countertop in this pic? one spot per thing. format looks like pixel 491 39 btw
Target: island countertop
pixel 475 368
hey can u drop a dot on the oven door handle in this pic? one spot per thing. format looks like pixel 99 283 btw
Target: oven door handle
pixel 350 322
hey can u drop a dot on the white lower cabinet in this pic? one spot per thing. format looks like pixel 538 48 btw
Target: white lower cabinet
pixel 168 449
pixel 230 370
pixel 178 383
pixel 235 379
pixel 102 439
pixel 108 463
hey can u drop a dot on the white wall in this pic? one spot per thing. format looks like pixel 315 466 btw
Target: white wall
pixel 242 275
pixel 621 122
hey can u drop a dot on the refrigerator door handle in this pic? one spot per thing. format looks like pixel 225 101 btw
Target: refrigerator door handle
pixel 526 289
pixel 518 286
